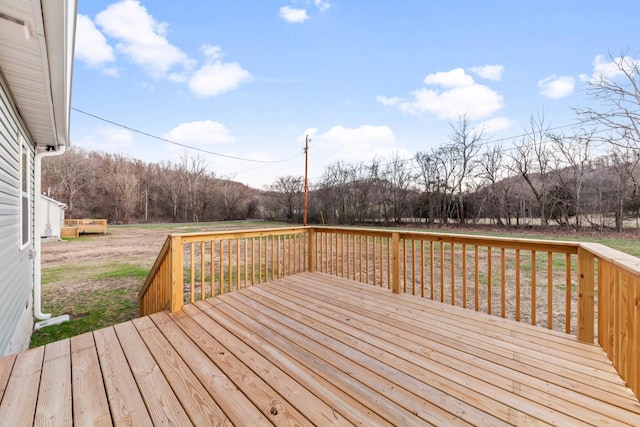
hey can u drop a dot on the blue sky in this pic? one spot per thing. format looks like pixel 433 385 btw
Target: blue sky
pixel 249 79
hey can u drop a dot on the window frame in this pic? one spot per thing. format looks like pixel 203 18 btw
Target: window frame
pixel 25 193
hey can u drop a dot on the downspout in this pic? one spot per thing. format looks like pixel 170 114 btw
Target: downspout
pixel 37 287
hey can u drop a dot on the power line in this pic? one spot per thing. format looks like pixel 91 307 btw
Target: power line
pixel 177 143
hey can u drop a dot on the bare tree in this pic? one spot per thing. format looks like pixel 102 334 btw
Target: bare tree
pixel 573 153
pixel 623 162
pixel 67 175
pixel 287 193
pixel 464 145
pixel 428 178
pixel 490 172
pixel 447 164
pixel 195 168
pixel 365 184
pixel 338 179
pixel 618 94
pixel 124 187
pixel 532 161
pixel 398 180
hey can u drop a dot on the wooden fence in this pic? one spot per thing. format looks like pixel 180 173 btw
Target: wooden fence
pixel 551 284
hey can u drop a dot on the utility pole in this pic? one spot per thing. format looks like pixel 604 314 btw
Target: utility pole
pixel 306 186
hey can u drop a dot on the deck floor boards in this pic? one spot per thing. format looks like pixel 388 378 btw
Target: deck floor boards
pixel 313 349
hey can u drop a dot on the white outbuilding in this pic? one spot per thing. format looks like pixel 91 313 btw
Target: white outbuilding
pixel 51 217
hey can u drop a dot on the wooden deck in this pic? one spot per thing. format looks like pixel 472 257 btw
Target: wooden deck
pixel 313 349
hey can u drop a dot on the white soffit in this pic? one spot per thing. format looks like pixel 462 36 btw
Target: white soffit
pixel 36 50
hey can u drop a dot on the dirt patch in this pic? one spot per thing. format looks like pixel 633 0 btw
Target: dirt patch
pixel 82 265
pixel 119 244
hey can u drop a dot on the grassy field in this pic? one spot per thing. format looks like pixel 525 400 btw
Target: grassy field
pixel 95 278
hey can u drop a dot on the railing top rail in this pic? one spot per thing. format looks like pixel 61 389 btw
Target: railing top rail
pixel 231 234
pixel 498 242
pixel 156 265
pixel 620 259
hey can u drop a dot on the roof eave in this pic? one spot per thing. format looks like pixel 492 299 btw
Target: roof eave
pixel 60 24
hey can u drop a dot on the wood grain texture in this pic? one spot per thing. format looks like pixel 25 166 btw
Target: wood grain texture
pixel 316 349
pixel 90 404
pixel 54 397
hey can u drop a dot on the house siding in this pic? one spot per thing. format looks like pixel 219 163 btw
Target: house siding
pixel 16 263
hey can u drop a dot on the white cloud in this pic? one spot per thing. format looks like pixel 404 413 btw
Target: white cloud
pixel 495 125
pixel 450 79
pixel 91 45
pixel 106 139
pixel 292 15
pixel 458 95
pixel 322 5
pixel 555 87
pixel 610 68
pixel 200 134
pixel 216 77
pixel 389 102
pixel 489 72
pixel 141 38
pixel 354 144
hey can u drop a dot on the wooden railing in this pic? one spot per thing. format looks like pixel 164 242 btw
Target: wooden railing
pixel 546 283
pixel 492 275
pixel 618 309
pixel 87 225
pixel 197 266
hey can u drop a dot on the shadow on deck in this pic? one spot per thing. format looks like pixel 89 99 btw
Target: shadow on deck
pixel 313 349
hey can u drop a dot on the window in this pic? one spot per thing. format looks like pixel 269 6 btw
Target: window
pixel 25 202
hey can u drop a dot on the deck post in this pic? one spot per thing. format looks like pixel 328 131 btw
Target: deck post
pixel 586 289
pixel 177 275
pixel 311 250
pixel 395 263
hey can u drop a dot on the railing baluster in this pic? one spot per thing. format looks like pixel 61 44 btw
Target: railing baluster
pixel 246 262
pixel 388 243
pixel 441 271
pixel 414 280
pixel 230 258
pixel 202 270
pixel 192 275
pixel 464 275
pixel 273 258
pixel 212 250
pixel 550 290
pixel 260 259
pixel 567 284
pixel 476 275
pixel 293 246
pixel 503 286
pixel 534 268
pixel 368 260
pixel 221 265
pixel 422 281
pixel 489 278
pixel 374 261
pixel 452 248
pixel 405 242
pixel 518 285
pixel 432 274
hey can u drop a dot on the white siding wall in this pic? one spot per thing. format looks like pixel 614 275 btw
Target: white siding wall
pixel 16 264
